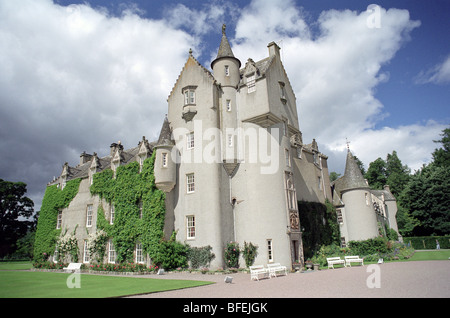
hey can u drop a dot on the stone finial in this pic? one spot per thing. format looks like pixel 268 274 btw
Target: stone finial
pixel 223 28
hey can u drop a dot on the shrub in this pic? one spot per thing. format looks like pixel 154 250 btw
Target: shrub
pixel 250 252
pixel 200 256
pixel 232 253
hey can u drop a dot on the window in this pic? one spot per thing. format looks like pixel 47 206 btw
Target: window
pixel 227 70
pixel 140 209
pixel 112 215
pixel 319 180
pixel 340 219
pixel 59 220
pixel 190 227
pixel 190 140
pixel 287 157
pixel 367 199
pixel 141 163
pixel 251 83
pixel 89 214
pixel 230 140
pixel 189 96
pixel 164 159
pixel 86 257
pixel 190 183
pixel 139 254
pixel 269 251
pixel 228 103
pixel 282 92
pixel 111 252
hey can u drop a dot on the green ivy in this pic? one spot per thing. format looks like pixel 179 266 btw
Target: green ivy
pixel 129 190
pixel 54 200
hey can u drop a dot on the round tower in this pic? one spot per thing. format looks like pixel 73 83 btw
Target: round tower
pixel 165 166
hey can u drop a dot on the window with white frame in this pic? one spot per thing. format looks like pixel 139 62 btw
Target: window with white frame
pixel 287 157
pixel 189 96
pixel 86 258
pixel 89 215
pixel 164 159
pixel 190 227
pixel 139 254
pixel 228 104
pixel 111 252
pixel 190 183
pixel 112 214
pixel 230 140
pixel 59 220
pixel 251 85
pixel 269 251
pixel 190 140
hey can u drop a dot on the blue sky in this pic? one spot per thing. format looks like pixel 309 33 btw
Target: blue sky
pixel 79 75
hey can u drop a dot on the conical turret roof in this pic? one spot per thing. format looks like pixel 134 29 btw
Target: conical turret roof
pixel 353 177
pixel 224 48
pixel 165 136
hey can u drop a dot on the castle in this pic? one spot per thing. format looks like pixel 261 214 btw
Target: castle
pixel 231 160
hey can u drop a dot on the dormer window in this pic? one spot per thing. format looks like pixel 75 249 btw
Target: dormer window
pixel 189 95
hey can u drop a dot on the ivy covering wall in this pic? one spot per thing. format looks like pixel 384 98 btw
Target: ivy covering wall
pixel 54 200
pixel 319 225
pixel 128 192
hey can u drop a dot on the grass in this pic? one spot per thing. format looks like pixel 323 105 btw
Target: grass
pixel 24 284
pixel 430 255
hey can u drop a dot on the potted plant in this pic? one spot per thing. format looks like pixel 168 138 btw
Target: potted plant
pixel 308 265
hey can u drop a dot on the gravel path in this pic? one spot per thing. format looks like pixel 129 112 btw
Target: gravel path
pixel 420 279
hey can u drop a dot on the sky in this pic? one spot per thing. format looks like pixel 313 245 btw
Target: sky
pixel 79 75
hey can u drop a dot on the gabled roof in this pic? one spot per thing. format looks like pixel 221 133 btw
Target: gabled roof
pixel 191 59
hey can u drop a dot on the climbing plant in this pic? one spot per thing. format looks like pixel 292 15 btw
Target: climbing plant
pixel 139 209
pixel 54 200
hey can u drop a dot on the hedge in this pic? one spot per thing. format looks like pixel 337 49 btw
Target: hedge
pixel 427 242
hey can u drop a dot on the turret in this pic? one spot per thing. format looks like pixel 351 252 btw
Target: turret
pixel 165 166
pixel 225 66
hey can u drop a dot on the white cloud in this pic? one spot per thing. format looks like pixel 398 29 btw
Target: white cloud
pixel 439 74
pixel 335 72
pixel 76 78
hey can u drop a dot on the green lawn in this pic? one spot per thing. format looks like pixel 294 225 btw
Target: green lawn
pixel 15 265
pixel 430 255
pixel 21 284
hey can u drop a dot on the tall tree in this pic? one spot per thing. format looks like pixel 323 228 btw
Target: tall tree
pixel 15 209
pixel 441 156
pixel 376 174
pixel 397 174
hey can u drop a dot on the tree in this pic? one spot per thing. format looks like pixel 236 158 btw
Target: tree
pixel 427 198
pixel 15 209
pixel 397 174
pixel 441 156
pixel 334 176
pixel 376 174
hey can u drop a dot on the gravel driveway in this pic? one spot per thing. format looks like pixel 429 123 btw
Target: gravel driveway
pixel 419 279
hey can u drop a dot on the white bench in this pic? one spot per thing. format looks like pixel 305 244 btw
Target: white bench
pixel 353 259
pixel 274 268
pixel 257 270
pixel 334 260
pixel 73 267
